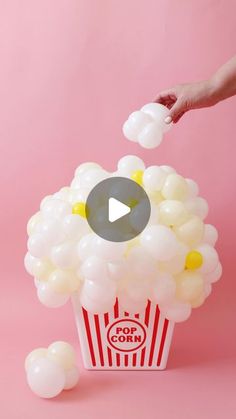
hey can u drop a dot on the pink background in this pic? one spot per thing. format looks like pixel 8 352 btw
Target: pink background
pixel 71 71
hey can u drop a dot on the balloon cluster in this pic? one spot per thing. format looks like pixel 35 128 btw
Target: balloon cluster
pixel 51 370
pixel 172 262
pixel 147 126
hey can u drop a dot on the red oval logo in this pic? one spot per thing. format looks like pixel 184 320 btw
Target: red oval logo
pixel 126 335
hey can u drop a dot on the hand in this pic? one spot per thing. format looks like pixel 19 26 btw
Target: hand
pixel 184 97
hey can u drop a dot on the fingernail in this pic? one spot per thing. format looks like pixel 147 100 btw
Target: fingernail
pixel 168 120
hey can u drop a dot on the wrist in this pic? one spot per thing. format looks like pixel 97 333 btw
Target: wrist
pixel 215 89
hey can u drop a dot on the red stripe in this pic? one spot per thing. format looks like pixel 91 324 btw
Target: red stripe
pixel 118 360
pixel 147 313
pixel 142 357
pixel 154 335
pixel 116 309
pixel 90 343
pixel 163 338
pixel 146 321
pixel 134 360
pixel 97 326
pixel 126 360
pixel 109 357
pixel 106 319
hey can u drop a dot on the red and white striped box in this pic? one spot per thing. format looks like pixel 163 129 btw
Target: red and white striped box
pixel 120 341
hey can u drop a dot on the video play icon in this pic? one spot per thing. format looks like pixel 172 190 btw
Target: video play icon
pixel 118 209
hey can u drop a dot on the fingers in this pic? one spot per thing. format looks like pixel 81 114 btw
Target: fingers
pixel 172 100
pixel 176 111
pixel 178 118
pixel 166 98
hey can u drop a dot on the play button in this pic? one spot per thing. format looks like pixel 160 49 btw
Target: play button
pixel 118 209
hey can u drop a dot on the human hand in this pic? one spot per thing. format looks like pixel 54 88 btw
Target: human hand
pixel 184 97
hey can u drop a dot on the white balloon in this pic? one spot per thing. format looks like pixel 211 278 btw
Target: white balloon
pixel 191 232
pixel 92 177
pixel 33 222
pixel 151 136
pixel 65 256
pixel 193 189
pixel 37 245
pixel 44 200
pixel 158 113
pixel 207 290
pixel 130 305
pixel 135 123
pixel 108 250
pixel 49 298
pixel 210 258
pixel 46 378
pixel 168 169
pixel 52 231
pixel 164 288
pixel 62 193
pixel 154 178
pixel 63 354
pixel 84 167
pixel 94 268
pixel 55 208
pixel 63 282
pixel 75 186
pixel 210 234
pixel 117 270
pixel 128 164
pixel 214 275
pixel 96 298
pixel 154 216
pixel 101 290
pixel 85 246
pixel 160 242
pixel 138 289
pixel 78 195
pixel 176 311
pixel 39 268
pixel 71 378
pixel 74 226
pixel 34 355
pixel 176 264
pixel 138 213
pixel 172 213
pixel 197 206
pixel 175 187
pixel 142 264
pixel 29 262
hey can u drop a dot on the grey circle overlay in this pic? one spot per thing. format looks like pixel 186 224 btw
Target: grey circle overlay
pixel 129 193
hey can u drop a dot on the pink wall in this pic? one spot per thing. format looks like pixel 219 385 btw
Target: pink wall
pixel 71 71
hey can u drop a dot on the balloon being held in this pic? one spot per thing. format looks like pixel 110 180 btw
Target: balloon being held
pixel 147 126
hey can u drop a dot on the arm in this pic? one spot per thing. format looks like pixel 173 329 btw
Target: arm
pixel 184 97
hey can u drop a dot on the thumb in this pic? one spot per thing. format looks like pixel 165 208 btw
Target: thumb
pixel 175 112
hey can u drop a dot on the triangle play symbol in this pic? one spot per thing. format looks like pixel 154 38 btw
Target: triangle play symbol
pixel 116 209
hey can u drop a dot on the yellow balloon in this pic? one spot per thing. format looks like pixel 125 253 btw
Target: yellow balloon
pixel 194 260
pixel 79 208
pixel 137 176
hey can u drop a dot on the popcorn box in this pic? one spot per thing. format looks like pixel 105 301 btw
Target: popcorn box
pixel 119 341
